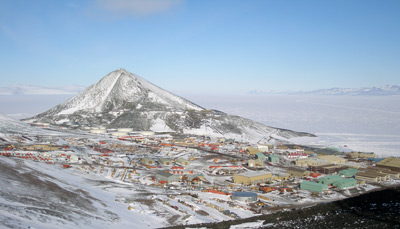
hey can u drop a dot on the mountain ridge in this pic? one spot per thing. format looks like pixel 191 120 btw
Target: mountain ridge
pixel 23 89
pixel 387 90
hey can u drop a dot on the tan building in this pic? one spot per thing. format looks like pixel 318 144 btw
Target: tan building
pixel 309 162
pixel 391 173
pixel 333 159
pixel 297 172
pixel 371 176
pixel 309 152
pixel 361 155
pixel 392 163
pixel 40 147
pixel 253 177
pixel 263 147
pixel 377 174
pixel 252 150
pixel 281 177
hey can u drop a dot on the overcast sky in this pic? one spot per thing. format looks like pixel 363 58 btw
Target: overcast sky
pixel 203 46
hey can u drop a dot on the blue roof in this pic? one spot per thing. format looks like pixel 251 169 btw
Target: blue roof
pixel 245 194
pixel 376 159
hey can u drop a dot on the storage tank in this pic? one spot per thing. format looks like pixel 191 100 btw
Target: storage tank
pixel 244 196
pixel 98 131
pixel 119 134
pixel 125 130
pixel 147 133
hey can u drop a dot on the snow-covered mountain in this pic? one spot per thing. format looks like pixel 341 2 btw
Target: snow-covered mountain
pixel 22 89
pixel 122 99
pixel 373 91
pixel 369 91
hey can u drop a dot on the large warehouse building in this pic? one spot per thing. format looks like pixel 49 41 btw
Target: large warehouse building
pixel 250 178
pixel 392 163
pixel 313 186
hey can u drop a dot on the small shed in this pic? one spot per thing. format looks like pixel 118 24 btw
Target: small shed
pixel 182 161
pixel 147 161
pixel 165 161
pixel 273 158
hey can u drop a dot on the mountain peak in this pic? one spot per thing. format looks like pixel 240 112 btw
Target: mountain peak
pixel 123 70
pixel 120 91
pixel 122 99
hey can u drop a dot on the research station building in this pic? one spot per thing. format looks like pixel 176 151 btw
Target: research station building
pixel 252 178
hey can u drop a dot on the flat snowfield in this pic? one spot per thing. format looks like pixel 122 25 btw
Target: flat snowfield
pixel 361 123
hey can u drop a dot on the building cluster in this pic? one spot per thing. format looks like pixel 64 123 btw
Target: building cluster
pixel 248 173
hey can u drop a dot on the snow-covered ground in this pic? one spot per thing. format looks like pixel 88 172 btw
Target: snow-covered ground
pixel 47 196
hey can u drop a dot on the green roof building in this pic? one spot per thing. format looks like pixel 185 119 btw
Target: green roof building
pixel 261 156
pixel 329 180
pixel 313 187
pixel 345 183
pixel 168 177
pixel 348 172
pixel 273 158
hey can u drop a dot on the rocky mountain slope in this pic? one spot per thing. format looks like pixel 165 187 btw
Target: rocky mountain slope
pixel 122 99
